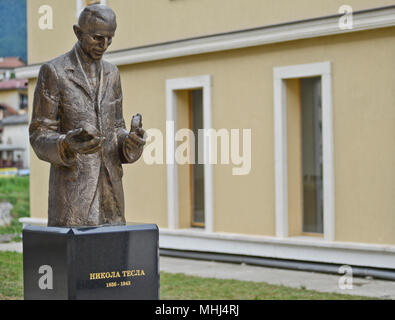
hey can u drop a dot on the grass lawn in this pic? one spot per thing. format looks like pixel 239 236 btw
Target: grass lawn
pixel 177 286
pixel 180 286
pixel 11 276
pixel 16 191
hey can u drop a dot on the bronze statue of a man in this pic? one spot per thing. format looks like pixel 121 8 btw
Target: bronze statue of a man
pixel 78 127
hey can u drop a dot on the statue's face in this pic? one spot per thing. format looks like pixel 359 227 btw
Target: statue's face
pixel 96 37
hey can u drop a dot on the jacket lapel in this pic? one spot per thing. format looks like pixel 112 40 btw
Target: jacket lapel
pixel 103 82
pixel 76 74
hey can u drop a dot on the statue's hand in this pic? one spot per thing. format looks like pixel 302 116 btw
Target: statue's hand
pixel 135 140
pixel 83 142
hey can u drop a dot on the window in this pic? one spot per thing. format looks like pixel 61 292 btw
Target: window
pixel 81 4
pixel 190 173
pixel 310 96
pixel 23 101
pixel 189 187
pixel 304 171
pixel 197 170
pixel 89 2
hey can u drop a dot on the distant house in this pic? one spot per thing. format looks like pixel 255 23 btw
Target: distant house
pixel 14 141
pixel 7 66
pixel 13 91
pixel 14 137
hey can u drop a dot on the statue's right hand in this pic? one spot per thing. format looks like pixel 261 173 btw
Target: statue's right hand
pixel 80 141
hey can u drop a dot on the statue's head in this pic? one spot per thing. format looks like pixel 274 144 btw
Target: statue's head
pixel 95 30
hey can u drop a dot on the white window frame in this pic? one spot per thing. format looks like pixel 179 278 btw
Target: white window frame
pixel 203 82
pixel 80 5
pixel 322 69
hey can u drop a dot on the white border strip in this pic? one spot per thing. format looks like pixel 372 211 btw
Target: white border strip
pixel 33 221
pixel 203 82
pixel 280 144
pixel 377 256
pixel 363 20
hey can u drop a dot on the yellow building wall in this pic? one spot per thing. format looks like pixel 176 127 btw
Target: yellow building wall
pixel 142 22
pixel 242 97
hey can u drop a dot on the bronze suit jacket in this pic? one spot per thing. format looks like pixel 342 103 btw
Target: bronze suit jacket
pixel 63 101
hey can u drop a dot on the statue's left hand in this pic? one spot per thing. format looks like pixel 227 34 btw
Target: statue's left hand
pixel 135 140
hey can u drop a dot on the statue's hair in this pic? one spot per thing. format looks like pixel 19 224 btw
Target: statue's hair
pixel 96 11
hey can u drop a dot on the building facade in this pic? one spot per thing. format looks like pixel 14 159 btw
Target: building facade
pixel 7 66
pixel 303 92
pixel 13 92
pixel 14 142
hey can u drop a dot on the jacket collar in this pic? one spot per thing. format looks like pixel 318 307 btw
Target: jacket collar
pixel 78 76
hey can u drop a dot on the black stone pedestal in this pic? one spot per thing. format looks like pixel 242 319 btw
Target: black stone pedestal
pixel 111 262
